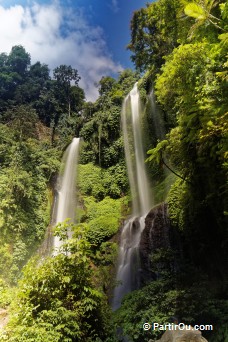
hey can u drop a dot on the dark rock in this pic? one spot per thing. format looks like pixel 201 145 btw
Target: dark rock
pixel 157 235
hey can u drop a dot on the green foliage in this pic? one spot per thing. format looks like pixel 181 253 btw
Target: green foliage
pixel 186 294
pixel 161 187
pixel 24 84
pixel 97 182
pixel 22 119
pixel 66 94
pixel 102 229
pixel 65 74
pixel 174 86
pixel 127 78
pixel 154 303
pixel 26 167
pixel 102 218
pixel 106 85
pixel 189 74
pixel 195 96
pixel 103 144
pixel 156 153
pixel 160 27
pixel 56 298
pixel 107 253
pixel 197 146
pixel 101 215
pixel 205 14
pixel 116 181
pixel 194 10
pixel 18 60
pixel 101 135
pixel 154 33
pixel 6 293
pixel 177 203
pixel 90 180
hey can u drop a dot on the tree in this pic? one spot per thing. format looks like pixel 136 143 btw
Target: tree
pixel 19 60
pixel 106 84
pixel 20 82
pixel 65 75
pixel 13 72
pixel 22 120
pixel 36 80
pixel 3 61
pixel 39 71
pixel 154 33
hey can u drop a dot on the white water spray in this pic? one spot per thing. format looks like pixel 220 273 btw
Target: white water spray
pixel 129 269
pixel 66 201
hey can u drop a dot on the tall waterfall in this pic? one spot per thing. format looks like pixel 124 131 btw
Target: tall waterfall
pixel 66 199
pixel 128 265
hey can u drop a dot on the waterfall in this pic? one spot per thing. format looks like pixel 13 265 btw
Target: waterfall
pixel 128 265
pixel 66 199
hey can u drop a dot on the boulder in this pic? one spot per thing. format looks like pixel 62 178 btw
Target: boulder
pixel 182 336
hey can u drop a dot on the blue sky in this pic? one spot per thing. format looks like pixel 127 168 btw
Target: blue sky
pixel 90 35
pixel 114 17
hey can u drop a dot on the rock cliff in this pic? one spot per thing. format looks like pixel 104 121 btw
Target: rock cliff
pixel 157 235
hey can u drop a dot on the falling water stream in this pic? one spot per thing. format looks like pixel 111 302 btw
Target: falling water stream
pixel 66 199
pixel 128 264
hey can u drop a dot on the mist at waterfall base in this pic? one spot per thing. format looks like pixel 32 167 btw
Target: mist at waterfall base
pixel 66 198
pixel 128 272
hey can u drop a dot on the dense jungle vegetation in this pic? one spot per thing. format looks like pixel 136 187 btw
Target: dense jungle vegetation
pixel 180 50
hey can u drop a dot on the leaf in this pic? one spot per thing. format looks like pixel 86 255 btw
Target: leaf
pixel 210 123
pixel 224 37
pixel 195 11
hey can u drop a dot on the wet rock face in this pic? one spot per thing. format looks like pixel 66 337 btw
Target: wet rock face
pixel 157 227
pixel 182 336
pixel 157 235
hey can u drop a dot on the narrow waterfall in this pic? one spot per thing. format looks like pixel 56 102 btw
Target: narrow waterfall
pixel 66 199
pixel 128 264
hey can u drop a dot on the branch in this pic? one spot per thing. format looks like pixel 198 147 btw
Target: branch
pixel 176 174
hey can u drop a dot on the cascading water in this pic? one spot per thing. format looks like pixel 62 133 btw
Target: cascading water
pixel 66 199
pixel 128 269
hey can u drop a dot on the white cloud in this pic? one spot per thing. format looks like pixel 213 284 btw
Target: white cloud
pixel 55 36
pixel 115 6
